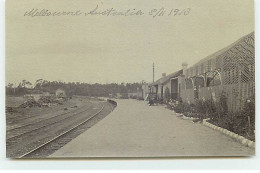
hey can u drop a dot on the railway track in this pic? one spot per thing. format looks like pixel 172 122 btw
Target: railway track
pixel 29 127
pixel 23 120
pixel 43 147
pixel 28 123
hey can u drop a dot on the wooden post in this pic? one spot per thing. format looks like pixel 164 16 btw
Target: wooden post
pixel 153 72
pixel 248 117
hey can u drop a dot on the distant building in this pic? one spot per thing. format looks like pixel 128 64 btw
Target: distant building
pixel 145 90
pixel 60 93
pixel 229 72
pixel 121 95
pixel 118 95
pixel 170 82
pixel 137 95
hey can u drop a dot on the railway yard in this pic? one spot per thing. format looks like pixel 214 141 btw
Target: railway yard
pixel 38 132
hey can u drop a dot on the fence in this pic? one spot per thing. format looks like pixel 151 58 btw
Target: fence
pixel 236 94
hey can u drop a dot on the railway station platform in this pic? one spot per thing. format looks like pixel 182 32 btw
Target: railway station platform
pixel 135 129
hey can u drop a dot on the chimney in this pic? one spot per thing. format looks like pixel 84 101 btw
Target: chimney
pixel 163 74
pixel 184 68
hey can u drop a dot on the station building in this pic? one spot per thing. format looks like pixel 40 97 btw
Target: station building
pixel 169 82
pixel 230 71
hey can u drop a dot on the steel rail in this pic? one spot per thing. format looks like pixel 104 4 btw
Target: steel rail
pixel 60 114
pixel 15 136
pixel 60 135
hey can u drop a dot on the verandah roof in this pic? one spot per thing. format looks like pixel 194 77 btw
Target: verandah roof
pixel 165 79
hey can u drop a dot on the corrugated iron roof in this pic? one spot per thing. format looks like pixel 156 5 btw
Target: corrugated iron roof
pixel 167 78
pixel 221 51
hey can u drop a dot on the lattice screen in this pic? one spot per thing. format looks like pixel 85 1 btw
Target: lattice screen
pixel 231 70
pixel 235 65
pixel 213 78
pixel 239 62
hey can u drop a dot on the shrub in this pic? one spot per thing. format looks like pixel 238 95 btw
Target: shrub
pixel 140 98
pixel 222 107
pixel 200 106
pixel 178 108
pixel 133 97
pixel 241 122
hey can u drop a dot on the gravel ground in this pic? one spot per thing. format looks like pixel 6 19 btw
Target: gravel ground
pixel 13 101
pixel 60 142
pixel 26 115
pixel 30 136
pixel 24 143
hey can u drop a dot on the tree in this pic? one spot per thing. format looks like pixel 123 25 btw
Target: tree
pixel 10 85
pixel 26 84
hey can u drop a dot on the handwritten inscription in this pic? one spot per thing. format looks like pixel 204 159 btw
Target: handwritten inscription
pixel 44 12
pixel 114 12
pixel 97 11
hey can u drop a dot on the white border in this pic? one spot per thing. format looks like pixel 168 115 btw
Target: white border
pixel 181 163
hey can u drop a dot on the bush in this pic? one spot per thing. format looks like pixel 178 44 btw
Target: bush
pixel 181 107
pixel 241 122
pixel 178 108
pixel 140 98
pixel 133 97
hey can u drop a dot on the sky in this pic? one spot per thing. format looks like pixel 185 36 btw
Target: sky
pixel 115 49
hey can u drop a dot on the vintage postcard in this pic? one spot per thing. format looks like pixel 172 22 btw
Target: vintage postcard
pixel 130 78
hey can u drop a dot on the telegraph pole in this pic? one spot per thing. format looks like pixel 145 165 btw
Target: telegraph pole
pixel 153 72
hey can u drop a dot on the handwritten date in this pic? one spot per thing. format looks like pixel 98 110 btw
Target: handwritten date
pixel 173 12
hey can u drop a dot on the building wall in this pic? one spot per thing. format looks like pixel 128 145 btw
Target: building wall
pixel 145 90
pixel 230 71
pixel 161 92
pixel 158 92
pixel 168 84
pixel 154 89
pixel 187 96
pixel 236 94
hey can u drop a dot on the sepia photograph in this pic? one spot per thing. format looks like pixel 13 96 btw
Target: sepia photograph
pixel 129 78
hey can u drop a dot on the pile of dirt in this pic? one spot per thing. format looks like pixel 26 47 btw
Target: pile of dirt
pixel 44 101
pixel 30 103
